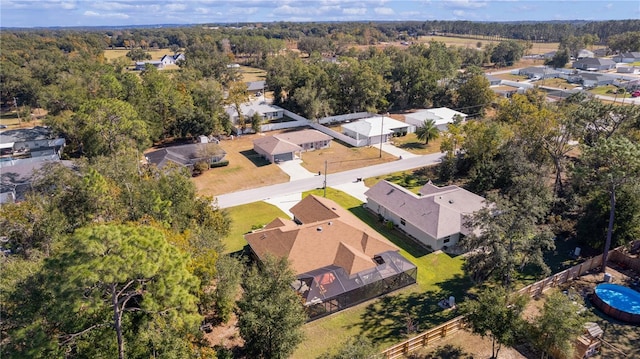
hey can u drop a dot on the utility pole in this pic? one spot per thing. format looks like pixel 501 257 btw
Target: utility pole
pixel 325 179
pixel 381 134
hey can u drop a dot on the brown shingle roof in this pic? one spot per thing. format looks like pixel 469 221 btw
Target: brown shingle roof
pixel 303 136
pixel 275 146
pixel 328 235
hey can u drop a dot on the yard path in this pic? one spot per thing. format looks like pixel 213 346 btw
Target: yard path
pixel 335 179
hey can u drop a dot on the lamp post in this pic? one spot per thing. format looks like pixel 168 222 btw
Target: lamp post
pixel 325 179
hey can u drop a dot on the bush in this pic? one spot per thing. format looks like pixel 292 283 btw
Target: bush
pixel 199 168
pixel 220 164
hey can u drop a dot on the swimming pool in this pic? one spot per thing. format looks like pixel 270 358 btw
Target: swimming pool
pixel 617 301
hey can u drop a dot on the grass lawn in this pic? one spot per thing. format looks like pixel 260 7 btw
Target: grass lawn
pixel 510 77
pixel 246 169
pixel 245 218
pixel 252 74
pixel 557 83
pixel 384 320
pixel 608 90
pixel 411 144
pixel 471 42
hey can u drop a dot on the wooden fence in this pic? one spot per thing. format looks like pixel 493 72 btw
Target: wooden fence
pixel 452 326
pixel 424 339
pixel 625 261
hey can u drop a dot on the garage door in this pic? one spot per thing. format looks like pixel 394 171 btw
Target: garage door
pixel 283 157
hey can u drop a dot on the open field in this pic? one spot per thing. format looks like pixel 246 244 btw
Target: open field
pixel 471 42
pixel 252 74
pixel 112 54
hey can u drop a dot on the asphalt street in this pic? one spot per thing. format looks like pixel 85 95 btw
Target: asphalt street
pixel 306 184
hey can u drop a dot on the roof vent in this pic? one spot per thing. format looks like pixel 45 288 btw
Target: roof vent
pixel 330 223
pixel 319 229
pixel 450 201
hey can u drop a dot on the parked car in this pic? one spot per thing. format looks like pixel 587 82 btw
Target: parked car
pixel 635 93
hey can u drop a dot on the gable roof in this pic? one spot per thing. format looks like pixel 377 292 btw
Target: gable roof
pixel 437 211
pixel 274 146
pixel 26 134
pixel 595 61
pixel 186 155
pixel 440 115
pixel 289 141
pixel 323 234
pixel 256 85
pixel 375 126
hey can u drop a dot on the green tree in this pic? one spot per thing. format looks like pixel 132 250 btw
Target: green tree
pixel 138 55
pixel 428 131
pixel 507 53
pixel 510 236
pixel 106 126
pixel 609 165
pixel 237 96
pixel 497 314
pixel 473 90
pixel 271 314
pixel 256 122
pixel 227 285
pixel 108 283
pixel 556 328
pixel 559 60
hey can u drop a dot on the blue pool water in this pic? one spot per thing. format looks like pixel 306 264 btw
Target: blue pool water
pixel 620 297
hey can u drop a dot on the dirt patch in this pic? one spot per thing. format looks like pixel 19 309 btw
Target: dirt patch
pixel 464 344
pixel 225 335
pixel 340 158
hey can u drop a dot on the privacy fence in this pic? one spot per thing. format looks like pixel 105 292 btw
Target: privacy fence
pixel 432 335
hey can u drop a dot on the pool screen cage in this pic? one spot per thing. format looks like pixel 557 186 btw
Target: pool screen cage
pixel 330 289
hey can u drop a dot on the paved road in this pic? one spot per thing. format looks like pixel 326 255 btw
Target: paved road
pixel 305 184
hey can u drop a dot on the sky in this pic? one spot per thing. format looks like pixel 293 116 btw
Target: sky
pixel 46 13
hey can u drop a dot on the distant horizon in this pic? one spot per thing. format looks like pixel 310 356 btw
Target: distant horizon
pixel 144 13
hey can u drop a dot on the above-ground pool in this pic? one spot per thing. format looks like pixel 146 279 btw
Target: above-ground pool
pixel 617 301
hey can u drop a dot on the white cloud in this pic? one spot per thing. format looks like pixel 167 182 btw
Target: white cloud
pixel 202 10
pixel 354 11
pixel 459 13
pixel 384 11
pixel 106 15
pixel 465 4
pixel 609 6
pixel 111 5
pixel 175 7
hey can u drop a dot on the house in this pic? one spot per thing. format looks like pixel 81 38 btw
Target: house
pixel 628 69
pixel 23 143
pixel 442 116
pixel 601 52
pixel 172 59
pixel 538 73
pixel 435 216
pixel 594 80
pixel 376 129
pixel 584 53
pixel 594 64
pixel 15 180
pixel 288 145
pixel 627 57
pixel 265 110
pixel 339 261
pixel 141 65
pixel 187 155
pixel 256 88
